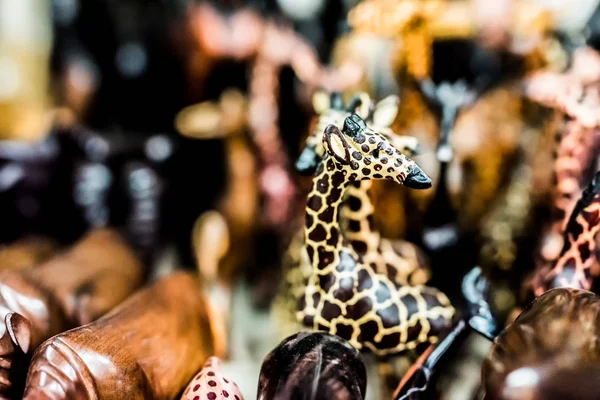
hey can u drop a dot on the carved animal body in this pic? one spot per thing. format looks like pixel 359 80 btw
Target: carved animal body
pixel 345 295
pixel 576 95
pixel 210 384
pixel 147 348
pixel 402 261
pixel 571 262
pixel 578 263
pixel 71 289
pixel 313 365
pixel 552 346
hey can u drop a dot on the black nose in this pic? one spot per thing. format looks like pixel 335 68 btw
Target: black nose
pixel 308 161
pixel 417 179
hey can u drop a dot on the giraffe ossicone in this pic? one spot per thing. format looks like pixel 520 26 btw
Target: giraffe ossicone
pixel 345 294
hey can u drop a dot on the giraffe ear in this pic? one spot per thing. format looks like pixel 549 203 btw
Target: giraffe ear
pixel 321 102
pixel 336 144
pixel 386 111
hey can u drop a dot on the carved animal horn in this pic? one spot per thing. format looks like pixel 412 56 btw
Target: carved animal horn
pixel 321 101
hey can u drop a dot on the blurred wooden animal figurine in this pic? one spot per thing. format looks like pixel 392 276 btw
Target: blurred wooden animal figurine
pixel 574 97
pixel 71 289
pixel 210 383
pixel 222 238
pixel 147 348
pixel 549 352
pixel 577 265
pixel 345 295
pixel 269 47
pixel 239 204
pixel 313 365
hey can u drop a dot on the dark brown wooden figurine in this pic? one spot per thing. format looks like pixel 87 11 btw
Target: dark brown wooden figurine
pixel 549 352
pixel 315 366
pixel 149 347
pixel 69 290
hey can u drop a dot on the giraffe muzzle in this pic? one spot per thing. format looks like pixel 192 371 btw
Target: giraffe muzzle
pixel 417 179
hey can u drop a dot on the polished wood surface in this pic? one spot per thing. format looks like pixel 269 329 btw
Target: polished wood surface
pixel 71 289
pixel 147 348
pixel 313 365
pixel 549 352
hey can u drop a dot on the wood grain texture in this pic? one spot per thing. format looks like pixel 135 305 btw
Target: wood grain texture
pixel 549 352
pixel 147 348
pixel 71 289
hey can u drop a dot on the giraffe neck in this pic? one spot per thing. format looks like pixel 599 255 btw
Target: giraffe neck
pixel 578 262
pixel 322 233
pixel 574 154
pixel 356 217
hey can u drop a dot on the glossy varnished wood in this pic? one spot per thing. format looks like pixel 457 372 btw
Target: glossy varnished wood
pixel 549 352
pixel 71 289
pixel 147 348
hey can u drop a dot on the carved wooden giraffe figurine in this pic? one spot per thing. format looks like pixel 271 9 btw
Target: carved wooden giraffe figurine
pixel 402 261
pixel 575 97
pixel 578 262
pixel 217 232
pixel 345 295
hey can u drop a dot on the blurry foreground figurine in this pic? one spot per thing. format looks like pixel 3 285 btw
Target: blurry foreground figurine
pixel 549 352
pixel 147 348
pixel 315 366
pixel 71 289
pixel 210 384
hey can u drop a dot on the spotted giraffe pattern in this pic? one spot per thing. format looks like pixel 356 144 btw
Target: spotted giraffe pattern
pixel 402 261
pixel 210 384
pixel 578 264
pixel 345 295
pixel 576 94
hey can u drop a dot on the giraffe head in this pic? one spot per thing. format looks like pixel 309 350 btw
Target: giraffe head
pixel 361 153
pixel 331 110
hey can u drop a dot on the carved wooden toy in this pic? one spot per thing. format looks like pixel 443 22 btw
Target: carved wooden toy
pixel 312 365
pixel 149 347
pixel 210 383
pixel 269 47
pixel 69 290
pixel 575 98
pixel 400 260
pixel 345 295
pixel 240 202
pixel 549 352
pixel 577 265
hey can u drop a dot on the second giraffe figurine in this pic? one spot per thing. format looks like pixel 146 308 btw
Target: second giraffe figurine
pixel 345 295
